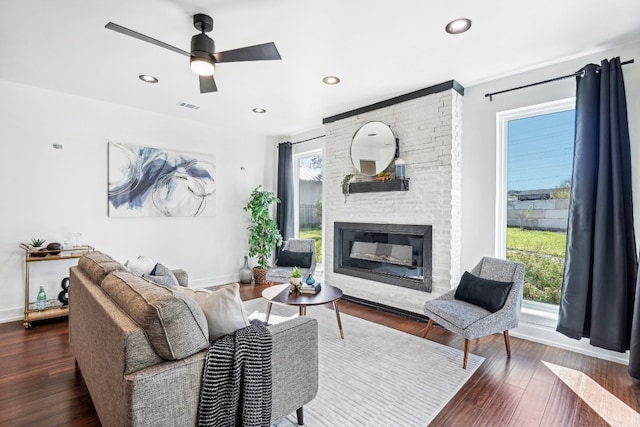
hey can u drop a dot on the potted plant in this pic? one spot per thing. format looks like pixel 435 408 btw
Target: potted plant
pixel 295 277
pixel 37 243
pixel 264 235
pixel 36 248
pixel 295 280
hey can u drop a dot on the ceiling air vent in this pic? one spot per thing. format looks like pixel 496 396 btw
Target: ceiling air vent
pixel 187 105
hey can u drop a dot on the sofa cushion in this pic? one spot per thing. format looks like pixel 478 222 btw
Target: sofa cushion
pixel 175 325
pixel 222 307
pixel 161 275
pixel 97 265
pixel 486 293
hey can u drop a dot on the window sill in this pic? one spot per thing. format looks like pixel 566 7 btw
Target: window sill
pixel 538 323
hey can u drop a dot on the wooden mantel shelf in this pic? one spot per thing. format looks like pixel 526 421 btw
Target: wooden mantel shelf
pixel 379 186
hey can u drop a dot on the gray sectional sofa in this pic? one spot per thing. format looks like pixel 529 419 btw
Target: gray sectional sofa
pixel 141 349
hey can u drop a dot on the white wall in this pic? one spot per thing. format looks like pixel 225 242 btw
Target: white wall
pixel 479 141
pixel 479 167
pixel 49 193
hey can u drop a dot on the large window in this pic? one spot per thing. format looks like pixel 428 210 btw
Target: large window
pixel 535 168
pixel 308 167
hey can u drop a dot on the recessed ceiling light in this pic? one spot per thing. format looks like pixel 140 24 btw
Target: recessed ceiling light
pixel 259 110
pixel 331 80
pixel 458 26
pixel 147 78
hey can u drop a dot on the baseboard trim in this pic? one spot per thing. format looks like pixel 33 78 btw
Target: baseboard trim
pixel 11 314
pixel 386 308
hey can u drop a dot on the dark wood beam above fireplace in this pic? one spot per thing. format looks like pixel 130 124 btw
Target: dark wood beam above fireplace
pixel 451 84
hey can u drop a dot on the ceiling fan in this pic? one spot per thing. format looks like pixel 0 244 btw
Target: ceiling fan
pixel 203 55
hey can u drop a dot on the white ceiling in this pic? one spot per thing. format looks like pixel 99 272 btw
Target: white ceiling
pixel 379 48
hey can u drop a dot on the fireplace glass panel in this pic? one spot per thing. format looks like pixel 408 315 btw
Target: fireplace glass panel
pixel 389 253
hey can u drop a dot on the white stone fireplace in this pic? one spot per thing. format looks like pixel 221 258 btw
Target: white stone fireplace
pixel 428 124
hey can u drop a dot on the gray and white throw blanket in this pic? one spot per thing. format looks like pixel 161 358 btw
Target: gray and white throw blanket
pixel 236 384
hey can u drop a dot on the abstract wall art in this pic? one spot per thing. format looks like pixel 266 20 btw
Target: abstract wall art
pixel 146 181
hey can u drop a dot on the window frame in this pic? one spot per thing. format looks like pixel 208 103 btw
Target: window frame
pixel 296 185
pixel 502 155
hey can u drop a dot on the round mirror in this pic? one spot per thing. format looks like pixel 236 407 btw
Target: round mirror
pixel 373 148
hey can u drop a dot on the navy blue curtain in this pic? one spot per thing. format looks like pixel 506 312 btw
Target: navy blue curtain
pixel 285 213
pixel 599 283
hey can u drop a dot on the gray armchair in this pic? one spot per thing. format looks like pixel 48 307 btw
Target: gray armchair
pixel 280 274
pixel 472 321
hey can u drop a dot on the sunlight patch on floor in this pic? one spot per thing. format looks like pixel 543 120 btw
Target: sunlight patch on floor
pixel 610 408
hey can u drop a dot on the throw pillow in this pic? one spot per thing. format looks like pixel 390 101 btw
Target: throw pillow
pixel 223 309
pixel 141 265
pixel 486 293
pixel 162 276
pixel 175 326
pixel 294 259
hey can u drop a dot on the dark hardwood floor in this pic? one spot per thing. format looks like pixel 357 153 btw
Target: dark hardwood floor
pixel 41 386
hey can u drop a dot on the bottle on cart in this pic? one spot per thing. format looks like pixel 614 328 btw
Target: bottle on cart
pixel 41 299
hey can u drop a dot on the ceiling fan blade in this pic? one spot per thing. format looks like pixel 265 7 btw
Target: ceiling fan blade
pixel 207 84
pixel 135 34
pixel 259 52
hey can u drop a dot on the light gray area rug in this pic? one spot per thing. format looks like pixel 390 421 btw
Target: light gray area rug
pixel 376 376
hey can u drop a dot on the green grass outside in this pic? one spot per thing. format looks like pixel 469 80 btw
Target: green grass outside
pixel 545 242
pixel 314 233
pixel 542 252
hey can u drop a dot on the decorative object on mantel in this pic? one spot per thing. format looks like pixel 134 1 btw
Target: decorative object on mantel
pixel 345 185
pixel 400 168
pixel 245 272
pixel 264 235
pixel 383 176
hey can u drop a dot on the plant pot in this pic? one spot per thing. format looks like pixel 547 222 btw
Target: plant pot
pixel 259 275
pixel 38 251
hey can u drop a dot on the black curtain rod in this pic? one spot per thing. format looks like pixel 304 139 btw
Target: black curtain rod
pixel 577 73
pixel 304 140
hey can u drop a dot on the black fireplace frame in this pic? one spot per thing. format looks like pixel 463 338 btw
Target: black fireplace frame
pixel 424 230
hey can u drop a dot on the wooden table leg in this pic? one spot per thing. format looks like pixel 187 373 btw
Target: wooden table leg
pixel 266 317
pixel 335 308
pixel 302 310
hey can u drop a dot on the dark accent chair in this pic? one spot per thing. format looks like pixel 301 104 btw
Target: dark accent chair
pixel 280 274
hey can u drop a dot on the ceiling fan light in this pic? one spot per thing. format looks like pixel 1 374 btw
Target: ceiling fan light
pixel 202 66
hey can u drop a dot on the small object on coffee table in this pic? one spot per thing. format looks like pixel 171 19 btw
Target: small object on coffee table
pixel 310 289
